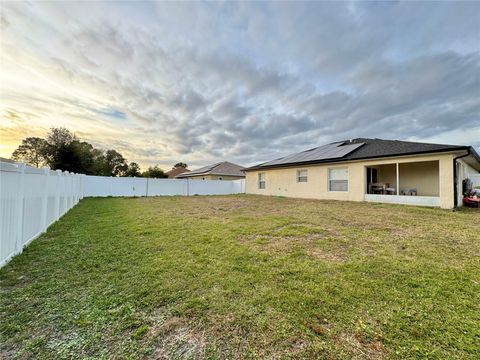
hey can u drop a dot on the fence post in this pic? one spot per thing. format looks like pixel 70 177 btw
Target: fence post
pixel 133 185
pixel 76 185
pixel 20 201
pixel 82 186
pixel 65 192
pixel 58 194
pixel 46 175
pixel 72 190
pixel 79 187
pixel 69 192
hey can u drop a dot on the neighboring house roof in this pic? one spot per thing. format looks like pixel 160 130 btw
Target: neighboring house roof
pixel 7 160
pixel 176 171
pixel 224 168
pixel 359 149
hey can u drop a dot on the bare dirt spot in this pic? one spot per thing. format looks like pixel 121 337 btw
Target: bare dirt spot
pixel 358 347
pixel 340 255
pixel 400 232
pixel 174 338
pixel 279 245
pixel 353 345
pixel 275 244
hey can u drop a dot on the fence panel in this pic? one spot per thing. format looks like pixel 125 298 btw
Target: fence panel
pixel 159 187
pixel 214 187
pixel 32 204
pixel 30 200
pixel 10 208
pixel 52 198
pixel 101 186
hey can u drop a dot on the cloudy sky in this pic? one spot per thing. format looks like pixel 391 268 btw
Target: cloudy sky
pixel 245 82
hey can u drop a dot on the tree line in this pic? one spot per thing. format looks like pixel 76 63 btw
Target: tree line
pixel 61 149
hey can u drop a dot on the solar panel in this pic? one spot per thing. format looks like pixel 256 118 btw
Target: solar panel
pixel 325 152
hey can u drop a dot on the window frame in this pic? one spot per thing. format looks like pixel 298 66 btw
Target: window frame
pixel 329 180
pixel 299 177
pixel 260 181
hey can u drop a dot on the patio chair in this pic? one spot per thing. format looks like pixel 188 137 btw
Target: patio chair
pixel 379 188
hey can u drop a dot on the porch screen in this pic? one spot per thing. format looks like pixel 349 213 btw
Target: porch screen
pixel 338 179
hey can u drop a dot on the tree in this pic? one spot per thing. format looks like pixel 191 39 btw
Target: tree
pixel 90 159
pixel 59 152
pixel 133 170
pixel 60 137
pixel 62 150
pixel 180 165
pixel 32 151
pixel 115 163
pixel 154 172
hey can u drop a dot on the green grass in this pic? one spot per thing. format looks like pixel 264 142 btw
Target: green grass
pixel 246 277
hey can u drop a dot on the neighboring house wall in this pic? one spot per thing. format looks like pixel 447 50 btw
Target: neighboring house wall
pixel 215 177
pixel 283 181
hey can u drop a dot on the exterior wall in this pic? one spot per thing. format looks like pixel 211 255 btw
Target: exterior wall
pixel 466 171
pixel 283 182
pixel 215 177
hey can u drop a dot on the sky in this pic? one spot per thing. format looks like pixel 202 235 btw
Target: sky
pixel 246 82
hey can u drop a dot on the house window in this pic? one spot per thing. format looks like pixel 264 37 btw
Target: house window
pixel 261 180
pixel 302 176
pixel 338 179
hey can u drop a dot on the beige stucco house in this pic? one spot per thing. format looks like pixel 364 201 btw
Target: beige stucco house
pixel 373 170
pixel 220 171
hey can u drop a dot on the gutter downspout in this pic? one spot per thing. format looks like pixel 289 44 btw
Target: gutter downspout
pixel 455 178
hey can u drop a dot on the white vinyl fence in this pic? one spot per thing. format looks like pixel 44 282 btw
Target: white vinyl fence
pixel 131 186
pixel 32 199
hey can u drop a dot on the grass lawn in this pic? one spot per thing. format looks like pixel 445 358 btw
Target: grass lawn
pixel 246 277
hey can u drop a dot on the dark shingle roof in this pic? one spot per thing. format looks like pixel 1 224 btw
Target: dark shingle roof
pixel 365 149
pixel 380 148
pixel 223 168
pixel 176 171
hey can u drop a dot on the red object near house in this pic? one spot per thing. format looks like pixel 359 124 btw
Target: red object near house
pixel 472 198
